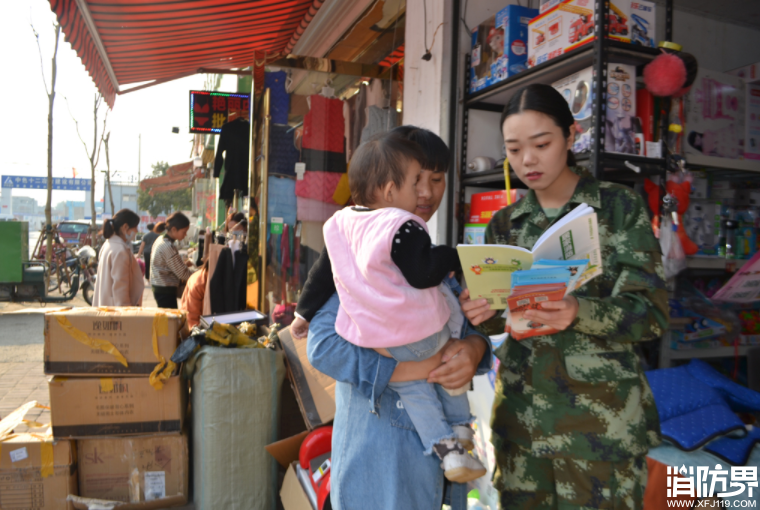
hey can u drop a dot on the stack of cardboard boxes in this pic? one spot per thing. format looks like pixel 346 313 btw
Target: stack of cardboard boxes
pixel 129 432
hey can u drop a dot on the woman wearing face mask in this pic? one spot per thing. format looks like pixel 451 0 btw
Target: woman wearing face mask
pixel 120 281
pixel 573 416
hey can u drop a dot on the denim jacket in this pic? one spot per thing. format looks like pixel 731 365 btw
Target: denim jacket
pixel 377 460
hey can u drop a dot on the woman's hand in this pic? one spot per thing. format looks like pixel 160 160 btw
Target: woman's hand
pixel 556 314
pixel 477 311
pixel 460 360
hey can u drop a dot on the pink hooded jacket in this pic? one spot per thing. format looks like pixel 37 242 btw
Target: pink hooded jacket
pixel 378 307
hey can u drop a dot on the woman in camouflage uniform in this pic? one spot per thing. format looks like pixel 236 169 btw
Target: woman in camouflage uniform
pixel 574 416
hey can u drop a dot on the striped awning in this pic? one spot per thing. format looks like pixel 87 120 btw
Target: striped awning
pixel 131 41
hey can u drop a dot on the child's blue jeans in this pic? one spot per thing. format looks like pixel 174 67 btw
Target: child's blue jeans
pixel 432 410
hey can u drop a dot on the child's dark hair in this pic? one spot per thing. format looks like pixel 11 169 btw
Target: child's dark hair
pixel 543 99
pixel 378 162
pixel 178 221
pixel 121 218
pixel 434 150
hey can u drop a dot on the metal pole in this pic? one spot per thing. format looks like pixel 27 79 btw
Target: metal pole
pixel 263 196
pixel 139 155
pixel 599 117
pixel 668 20
pixel 453 107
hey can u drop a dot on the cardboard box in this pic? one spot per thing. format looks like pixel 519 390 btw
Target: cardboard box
pixel 621 107
pixel 90 407
pixel 500 46
pixel 570 25
pixel 292 494
pixel 135 469
pixel 642 22
pixel 484 205
pixel 129 330
pixel 23 485
pixel 315 391
pixel 715 116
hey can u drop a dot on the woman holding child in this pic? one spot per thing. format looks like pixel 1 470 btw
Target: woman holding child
pixel 574 416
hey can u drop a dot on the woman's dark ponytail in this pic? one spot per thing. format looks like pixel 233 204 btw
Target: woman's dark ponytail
pixel 108 228
pixel 113 225
pixel 543 99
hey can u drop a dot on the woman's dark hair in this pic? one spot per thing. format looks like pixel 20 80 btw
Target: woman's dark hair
pixel 238 217
pixel 437 156
pixel 150 226
pixel 378 162
pixel 543 99
pixel 121 218
pixel 178 221
pixel 160 227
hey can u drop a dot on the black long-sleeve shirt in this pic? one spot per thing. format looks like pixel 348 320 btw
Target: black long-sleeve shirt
pixel 422 264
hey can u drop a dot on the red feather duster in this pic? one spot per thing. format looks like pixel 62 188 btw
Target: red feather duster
pixel 665 75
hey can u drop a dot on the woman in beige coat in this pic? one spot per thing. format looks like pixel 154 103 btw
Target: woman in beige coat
pixel 120 281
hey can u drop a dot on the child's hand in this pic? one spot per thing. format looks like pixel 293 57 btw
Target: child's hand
pixel 299 329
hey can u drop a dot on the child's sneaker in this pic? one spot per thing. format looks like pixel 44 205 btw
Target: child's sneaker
pixel 458 465
pixel 465 436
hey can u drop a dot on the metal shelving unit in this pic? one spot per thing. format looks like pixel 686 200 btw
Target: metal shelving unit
pixel 596 54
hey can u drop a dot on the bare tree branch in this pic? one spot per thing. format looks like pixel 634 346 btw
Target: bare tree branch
pixel 39 48
pixel 76 124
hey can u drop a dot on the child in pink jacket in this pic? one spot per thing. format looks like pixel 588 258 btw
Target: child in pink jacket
pixel 379 258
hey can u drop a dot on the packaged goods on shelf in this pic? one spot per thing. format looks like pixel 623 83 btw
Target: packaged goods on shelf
pixel 135 469
pixel 482 208
pixel 570 25
pixel 751 76
pixel 699 187
pixel 645 112
pixel 642 22
pixel 83 407
pixel 500 46
pixel 235 414
pixel 37 474
pixel 702 225
pixel 750 73
pixel 715 116
pixel 621 107
pixel 109 341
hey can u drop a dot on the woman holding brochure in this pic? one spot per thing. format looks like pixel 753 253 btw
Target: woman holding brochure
pixel 573 416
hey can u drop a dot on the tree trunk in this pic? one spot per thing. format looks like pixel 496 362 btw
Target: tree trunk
pixel 48 207
pixel 94 227
pixel 108 174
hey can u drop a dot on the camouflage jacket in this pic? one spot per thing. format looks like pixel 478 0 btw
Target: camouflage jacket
pixel 581 393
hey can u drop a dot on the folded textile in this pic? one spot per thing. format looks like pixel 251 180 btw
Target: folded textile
pixel 281 201
pixel 319 186
pixel 314 210
pixel 283 154
pixel 279 99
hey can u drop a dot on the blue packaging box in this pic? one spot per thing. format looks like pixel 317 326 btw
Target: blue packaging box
pixel 500 46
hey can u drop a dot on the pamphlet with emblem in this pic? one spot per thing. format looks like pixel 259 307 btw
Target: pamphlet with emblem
pixel 489 268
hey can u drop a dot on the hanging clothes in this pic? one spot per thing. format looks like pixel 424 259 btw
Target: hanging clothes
pixel 279 99
pixel 380 120
pixel 281 201
pixel 213 257
pixel 222 300
pixel 240 279
pixel 323 149
pixel 283 154
pixel 358 104
pixel 234 141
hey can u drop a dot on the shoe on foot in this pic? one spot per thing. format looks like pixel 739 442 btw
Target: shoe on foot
pixel 458 465
pixel 465 436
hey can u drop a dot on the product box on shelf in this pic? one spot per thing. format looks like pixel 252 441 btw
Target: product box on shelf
pixel 751 76
pixel 500 46
pixel 699 186
pixel 702 225
pixel 621 107
pixel 482 208
pixel 136 469
pixel 641 24
pixel 82 407
pixel 72 338
pixel 750 73
pixel 715 116
pixel 570 25
pixel 37 474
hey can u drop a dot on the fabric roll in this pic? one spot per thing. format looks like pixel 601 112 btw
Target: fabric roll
pixel 279 99
pixel 324 125
pixel 314 210
pixel 318 186
pixel 283 154
pixel 281 201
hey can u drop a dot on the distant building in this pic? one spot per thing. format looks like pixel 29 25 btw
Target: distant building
pixel 124 197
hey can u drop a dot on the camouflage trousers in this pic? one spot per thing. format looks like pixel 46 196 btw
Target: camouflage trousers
pixel 527 482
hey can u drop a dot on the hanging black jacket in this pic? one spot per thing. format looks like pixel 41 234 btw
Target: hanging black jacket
pixel 234 140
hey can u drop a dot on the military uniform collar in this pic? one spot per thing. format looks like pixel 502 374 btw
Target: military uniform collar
pixel 586 191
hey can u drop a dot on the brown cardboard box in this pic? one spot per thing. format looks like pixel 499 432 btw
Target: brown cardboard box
pixel 129 330
pixel 87 406
pixel 314 390
pixel 134 469
pixel 22 484
pixel 292 493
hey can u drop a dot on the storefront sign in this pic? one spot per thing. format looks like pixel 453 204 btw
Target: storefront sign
pixel 60 183
pixel 209 111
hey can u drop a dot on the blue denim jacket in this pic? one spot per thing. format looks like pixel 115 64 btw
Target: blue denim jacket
pixel 377 460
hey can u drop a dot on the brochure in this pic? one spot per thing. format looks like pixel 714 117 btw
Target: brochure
pixel 743 287
pixel 488 268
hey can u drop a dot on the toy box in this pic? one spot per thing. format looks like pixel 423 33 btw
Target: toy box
pixel 641 24
pixel 702 225
pixel 570 25
pixel 500 46
pixel 621 107
pixel 751 76
pixel 750 73
pixel 715 115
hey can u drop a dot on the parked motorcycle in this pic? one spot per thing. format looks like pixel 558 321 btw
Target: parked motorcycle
pixel 88 263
